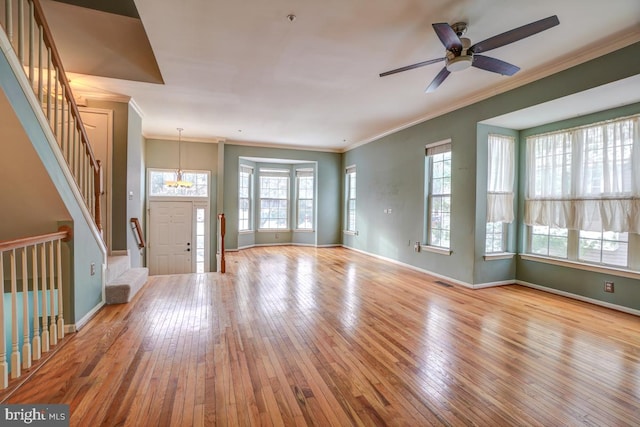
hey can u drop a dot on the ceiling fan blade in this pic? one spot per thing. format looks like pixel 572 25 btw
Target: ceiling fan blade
pixel 514 35
pixel 448 37
pixel 494 65
pixel 412 66
pixel 443 74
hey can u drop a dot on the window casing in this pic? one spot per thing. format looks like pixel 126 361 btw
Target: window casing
pixel 304 199
pixel 583 192
pixel 438 162
pixel 274 199
pixel 350 189
pixel 245 198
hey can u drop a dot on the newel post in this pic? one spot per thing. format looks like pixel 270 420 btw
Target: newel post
pixel 222 232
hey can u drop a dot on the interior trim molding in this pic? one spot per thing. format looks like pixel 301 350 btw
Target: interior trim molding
pixel 413 267
pixel 617 307
pixel 80 323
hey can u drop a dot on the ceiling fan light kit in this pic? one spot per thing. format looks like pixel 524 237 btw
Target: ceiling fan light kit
pixel 458 63
pixel 460 54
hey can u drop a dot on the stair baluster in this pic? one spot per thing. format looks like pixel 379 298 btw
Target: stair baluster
pixel 53 332
pixel 36 343
pixel 26 343
pixel 15 350
pixel 43 282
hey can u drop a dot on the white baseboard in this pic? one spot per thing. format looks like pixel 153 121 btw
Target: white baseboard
pixel 413 267
pixel 493 284
pixel 262 245
pixel 80 323
pixel 580 298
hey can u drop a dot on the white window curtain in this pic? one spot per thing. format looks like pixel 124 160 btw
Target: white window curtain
pixel 586 178
pixel 501 173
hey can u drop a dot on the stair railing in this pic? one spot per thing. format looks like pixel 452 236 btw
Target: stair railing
pixel 31 39
pixel 36 307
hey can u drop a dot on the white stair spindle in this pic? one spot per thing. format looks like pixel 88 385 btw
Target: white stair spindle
pixel 15 351
pixel 4 366
pixel 8 19
pixel 43 282
pixel 26 343
pixel 53 332
pixel 36 344
pixel 60 305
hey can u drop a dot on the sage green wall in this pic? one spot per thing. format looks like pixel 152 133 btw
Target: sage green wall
pixel 494 270
pixel 119 221
pixel 163 154
pixel 390 173
pixel 328 197
pixel 135 183
pixel 85 246
pixel 574 280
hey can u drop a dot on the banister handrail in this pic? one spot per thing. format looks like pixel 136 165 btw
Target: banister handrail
pixel 62 112
pixel 8 245
pixel 55 58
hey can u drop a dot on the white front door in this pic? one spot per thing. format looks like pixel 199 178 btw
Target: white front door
pixel 170 235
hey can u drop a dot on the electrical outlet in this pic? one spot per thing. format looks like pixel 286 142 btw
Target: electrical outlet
pixel 416 247
pixel 92 268
pixel 608 287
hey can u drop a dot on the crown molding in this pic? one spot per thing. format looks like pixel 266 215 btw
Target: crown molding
pixel 213 140
pixel 96 96
pixel 133 104
pixel 285 146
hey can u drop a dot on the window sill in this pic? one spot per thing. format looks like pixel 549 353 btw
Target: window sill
pixel 350 233
pixel 436 250
pixel 274 230
pixel 246 232
pixel 303 230
pixel 583 266
pixel 498 255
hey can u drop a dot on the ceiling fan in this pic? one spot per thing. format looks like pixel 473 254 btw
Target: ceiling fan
pixel 460 54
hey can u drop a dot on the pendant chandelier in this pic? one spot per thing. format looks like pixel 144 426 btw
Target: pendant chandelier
pixel 179 182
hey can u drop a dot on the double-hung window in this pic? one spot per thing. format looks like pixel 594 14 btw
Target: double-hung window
pixel 274 199
pixel 304 199
pixel 500 181
pixel 438 165
pixel 583 193
pixel 245 193
pixel 350 190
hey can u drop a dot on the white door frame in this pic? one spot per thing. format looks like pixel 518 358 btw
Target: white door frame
pixel 196 202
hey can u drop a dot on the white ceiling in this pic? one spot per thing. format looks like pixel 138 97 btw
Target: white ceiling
pixel 242 71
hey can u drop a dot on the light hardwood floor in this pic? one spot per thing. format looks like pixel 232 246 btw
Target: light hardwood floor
pixel 303 336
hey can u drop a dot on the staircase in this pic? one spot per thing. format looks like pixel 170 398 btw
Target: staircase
pixel 122 281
